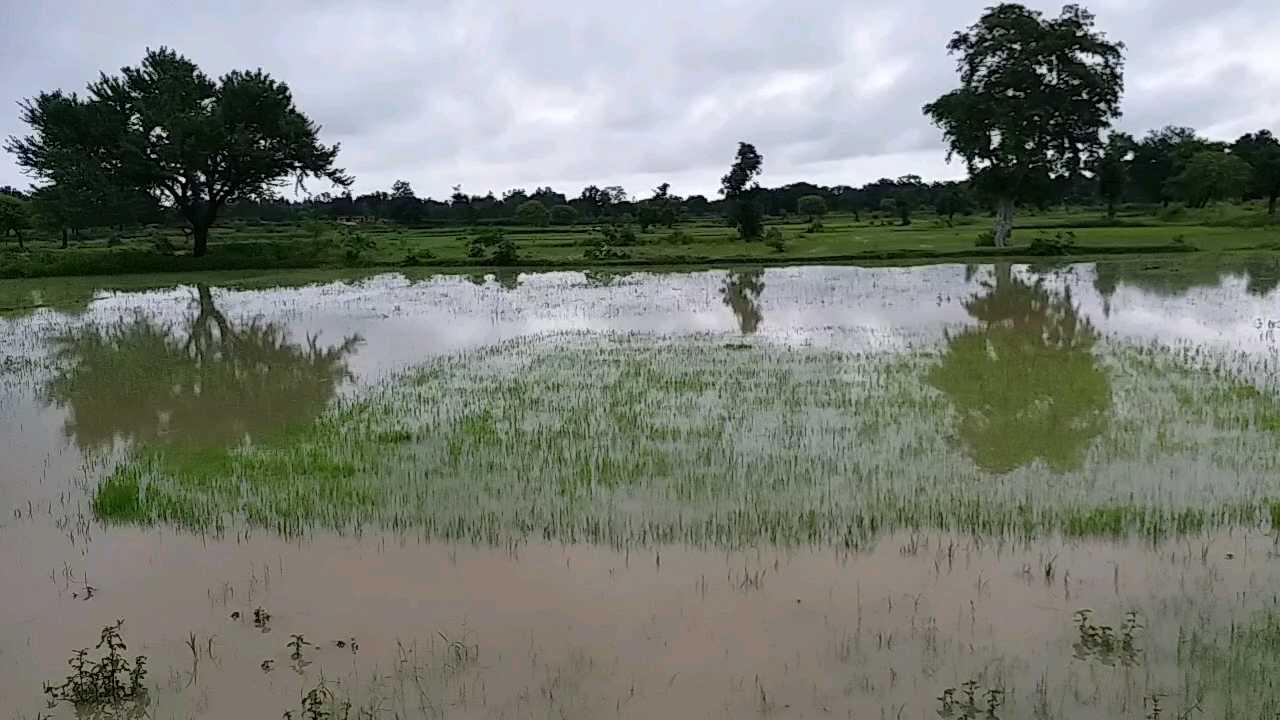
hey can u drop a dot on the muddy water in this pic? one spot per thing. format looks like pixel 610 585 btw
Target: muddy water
pixel 537 629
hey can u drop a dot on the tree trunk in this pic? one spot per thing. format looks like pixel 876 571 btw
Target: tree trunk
pixel 200 235
pixel 1111 209
pixel 1004 222
pixel 64 238
pixel 1271 206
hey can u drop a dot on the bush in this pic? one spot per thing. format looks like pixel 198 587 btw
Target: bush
pixel 1060 243
pixel 677 237
pixel 774 239
pixel 563 215
pixel 815 226
pixel 601 250
pixel 618 234
pixel 986 239
pixel 354 245
pixel 492 247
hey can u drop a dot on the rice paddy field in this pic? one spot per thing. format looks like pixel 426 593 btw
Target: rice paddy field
pixel 947 491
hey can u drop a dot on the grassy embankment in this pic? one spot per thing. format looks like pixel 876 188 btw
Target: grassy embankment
pixel 702 242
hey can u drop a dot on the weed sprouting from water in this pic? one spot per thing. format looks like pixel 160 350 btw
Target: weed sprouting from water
pixel 106 687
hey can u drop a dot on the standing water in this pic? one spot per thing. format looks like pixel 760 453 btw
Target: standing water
pixel 944 491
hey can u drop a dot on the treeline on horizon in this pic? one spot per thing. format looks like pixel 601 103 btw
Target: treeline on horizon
pixel 1031 118
pixel 1170 165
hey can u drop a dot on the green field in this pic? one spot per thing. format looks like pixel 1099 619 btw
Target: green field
pixel 1080 233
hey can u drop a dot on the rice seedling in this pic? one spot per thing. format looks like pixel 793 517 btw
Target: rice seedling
pixel 634 440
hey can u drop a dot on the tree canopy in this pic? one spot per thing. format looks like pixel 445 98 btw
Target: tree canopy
pixel 167 129
pixel 15 216
pixel 1208 176
pixel 739 188
pixel 1034 96
pixel 1262 151
pixel 533 213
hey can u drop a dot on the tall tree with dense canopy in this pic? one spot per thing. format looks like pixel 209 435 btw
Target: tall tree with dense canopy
pixel 533 213
pixel 740 188
pixel 812 206
pixel 1262 151
pixel 1112 170
pixel 166 128
pixel 1209 176
pixel 1035 94
pixel 1161 155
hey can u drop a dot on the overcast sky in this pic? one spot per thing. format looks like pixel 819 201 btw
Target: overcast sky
pixel 495 94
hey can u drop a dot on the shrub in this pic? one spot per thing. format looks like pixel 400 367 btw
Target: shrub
pixel 677 237
pixel 492 247
pixel 618 234
pixel 774 239
pixel 601 250
pixel 1060 243
pixel 354 245
pixel 986 238
pixel 104 686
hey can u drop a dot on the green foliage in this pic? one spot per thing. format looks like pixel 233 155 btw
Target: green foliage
pixel 564 215
pixel 533 213
pixel 619 235
pixel 1112 169
pixel 1059 243
pixel 1209 176
pixel 774 239
pixel 106 687
pixel 354 245
pixel 985 239
pixel 492 247
pixel 1262 151
pixel 602 250
pixel 740 189
pixel 812 206
pixel 15 216
pixel 166 129
pixel 1161 155
pixel 1034 94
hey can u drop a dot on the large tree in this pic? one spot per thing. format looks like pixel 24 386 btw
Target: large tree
pixel 1034 97
pixel 1112 170
pixel 740 189
pixel 1262 151
pixel 1208 176
pixel 1161 155
pixel 166 128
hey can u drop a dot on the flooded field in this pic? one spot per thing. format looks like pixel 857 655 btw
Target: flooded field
pixel 945 491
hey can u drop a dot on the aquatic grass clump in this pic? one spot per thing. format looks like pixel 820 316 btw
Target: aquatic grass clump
pixel 634 439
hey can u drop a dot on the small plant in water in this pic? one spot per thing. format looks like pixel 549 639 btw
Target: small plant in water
pixel 320 703
pixel 1103 643
pixel 970 701
pixel 106 687
pixel 262 619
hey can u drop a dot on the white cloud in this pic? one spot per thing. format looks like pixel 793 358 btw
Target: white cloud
pixel 501 94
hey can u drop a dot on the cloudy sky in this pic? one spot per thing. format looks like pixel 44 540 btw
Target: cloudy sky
pixel 495 94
